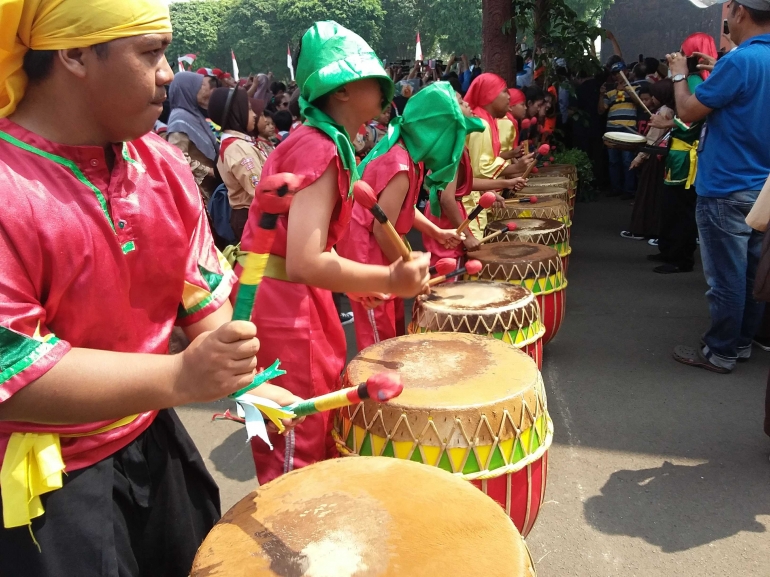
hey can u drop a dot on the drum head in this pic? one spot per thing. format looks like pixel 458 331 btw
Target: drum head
pixel 548 181
pixel 364 517
pixel 477 297
pixel 448 370
pixel 516 261
pixel 526 226
pixel 625 138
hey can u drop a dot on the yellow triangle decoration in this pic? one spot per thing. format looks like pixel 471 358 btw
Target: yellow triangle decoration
pixel 358 434
pixel 456 457
pixel 507 448
pixel 483 453
pixel 402 449
pixel 378 444
pixel 432 455
pixel 526 441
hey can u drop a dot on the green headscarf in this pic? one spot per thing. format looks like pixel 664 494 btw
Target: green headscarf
pixel 433 129
pixel 331 57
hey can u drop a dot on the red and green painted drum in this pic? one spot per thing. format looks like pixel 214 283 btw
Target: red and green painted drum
pixel 364 517
pixel 538 231
pixel 534 266
pixel 473 406
pixel 506 312
pixel 568 171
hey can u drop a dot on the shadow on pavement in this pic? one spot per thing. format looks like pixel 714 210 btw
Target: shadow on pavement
pixel 232 458
pixel 679 507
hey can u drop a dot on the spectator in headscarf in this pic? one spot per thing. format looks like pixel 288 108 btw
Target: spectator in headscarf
pixel 188 130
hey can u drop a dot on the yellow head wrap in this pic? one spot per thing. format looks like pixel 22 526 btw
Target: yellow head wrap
pixel 63 24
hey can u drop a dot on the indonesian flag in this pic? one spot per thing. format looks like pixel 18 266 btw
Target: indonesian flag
pixel 186 59
pixel 289 61
pixel 418 49
pixel 235 66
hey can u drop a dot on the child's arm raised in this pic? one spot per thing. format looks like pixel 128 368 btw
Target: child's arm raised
pixel 307 261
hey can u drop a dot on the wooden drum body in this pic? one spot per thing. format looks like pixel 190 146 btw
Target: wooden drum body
pixel 544 193
pixel 505 312
pixel 546 232
pixel 364 518
pixel 568 171
pixel 535 266
pixel 551 209
pixel 473 406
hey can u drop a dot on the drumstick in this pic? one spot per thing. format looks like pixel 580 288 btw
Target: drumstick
pixel 443 266
pixel 509 227
pixel 486 200
pixel 366 197
pixel 541 153
pixel 531 200
pixel 381 387
pixel 633 92
pixel 525 124
pixel 471 267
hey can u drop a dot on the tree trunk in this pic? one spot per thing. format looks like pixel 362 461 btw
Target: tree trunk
pixel 499 48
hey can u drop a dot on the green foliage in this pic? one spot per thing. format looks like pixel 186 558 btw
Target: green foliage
pixel 590 11
pixel 196 31
pixel 581 161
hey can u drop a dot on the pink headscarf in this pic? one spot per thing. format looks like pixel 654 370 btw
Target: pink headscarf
pixel 703 43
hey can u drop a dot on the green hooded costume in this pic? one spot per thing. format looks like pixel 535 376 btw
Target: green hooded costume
pixel 330 57
pixel 433 129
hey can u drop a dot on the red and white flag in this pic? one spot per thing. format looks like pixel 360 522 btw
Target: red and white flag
pixel 289 61
pixel 186 59
pixel 418 49
pixel 235 66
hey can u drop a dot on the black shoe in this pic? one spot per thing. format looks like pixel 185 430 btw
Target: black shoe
pixel 656 257
pixel 762 342
pixel 346 318
pixel 670 269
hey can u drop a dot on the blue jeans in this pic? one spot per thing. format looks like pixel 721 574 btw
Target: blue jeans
pixel 622 179
pixel 730 251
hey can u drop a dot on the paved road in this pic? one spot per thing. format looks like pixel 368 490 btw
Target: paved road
pixel 657 469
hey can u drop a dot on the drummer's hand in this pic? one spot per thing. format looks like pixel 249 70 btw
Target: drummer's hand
pixel 707 62
pixel 603 89
pixel 518 151
pixel 636 163
pixel 409 279
pixel 283 398
pixel 659 121
pixel 471 243
pixel 449 237
pixel 499 201
pixel 369 300
pixel 523 163
pixel 516 183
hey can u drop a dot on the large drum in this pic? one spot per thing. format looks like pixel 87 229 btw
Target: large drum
pixel 548 232
pixel 544 193
pixel 568 171
pixel 506 312
pixel 364 518
pixel 472 406
pixel 534 266
pixel 548 209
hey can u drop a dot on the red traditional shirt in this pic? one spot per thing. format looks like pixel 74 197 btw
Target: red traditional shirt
pixel 98 259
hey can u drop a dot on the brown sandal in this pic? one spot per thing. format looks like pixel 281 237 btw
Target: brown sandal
pixel 694 358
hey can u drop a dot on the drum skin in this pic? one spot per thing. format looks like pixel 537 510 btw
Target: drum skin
pixel 535 266
pixel 551 209
pixel 568 171
pixel 473 406
pixel 538 231
pixel 544 193
pixel 506 312
pixel 365 517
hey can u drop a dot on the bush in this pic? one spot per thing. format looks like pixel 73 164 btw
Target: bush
pixel 579 158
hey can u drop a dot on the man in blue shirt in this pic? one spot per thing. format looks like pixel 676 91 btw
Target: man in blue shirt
pixel 733 164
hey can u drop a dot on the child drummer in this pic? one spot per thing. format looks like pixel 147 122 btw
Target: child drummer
pixel 452 211
pixel 343 85
pixel 424 144
pixel 104 247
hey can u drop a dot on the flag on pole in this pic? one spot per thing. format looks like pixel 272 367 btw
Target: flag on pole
pixel 289 61
pixel 418 49
pixel 235 66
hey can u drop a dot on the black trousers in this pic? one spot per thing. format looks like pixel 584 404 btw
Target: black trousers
pixel 142 512
pixel 678 229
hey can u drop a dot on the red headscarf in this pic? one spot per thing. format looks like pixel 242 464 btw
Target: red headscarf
pixel 703 43
pixel 517 97
pixel 483 90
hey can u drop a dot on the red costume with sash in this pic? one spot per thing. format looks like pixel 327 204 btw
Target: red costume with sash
pixel 387 320
pixel 297 323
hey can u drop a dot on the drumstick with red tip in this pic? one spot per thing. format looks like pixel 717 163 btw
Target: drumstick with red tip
pixel 365 196
pixel 509 227
pixel 443 266
pixel 525 125
pixel 471 267
pixel 486 201
pixel 542 152
pixel 381 387
pixel 530 200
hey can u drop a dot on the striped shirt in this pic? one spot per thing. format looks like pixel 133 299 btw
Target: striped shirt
pixel 622 110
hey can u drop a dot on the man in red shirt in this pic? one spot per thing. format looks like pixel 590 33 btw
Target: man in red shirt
pixel 104 248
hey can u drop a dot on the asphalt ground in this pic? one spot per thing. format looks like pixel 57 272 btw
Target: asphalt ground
pixel 656 468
